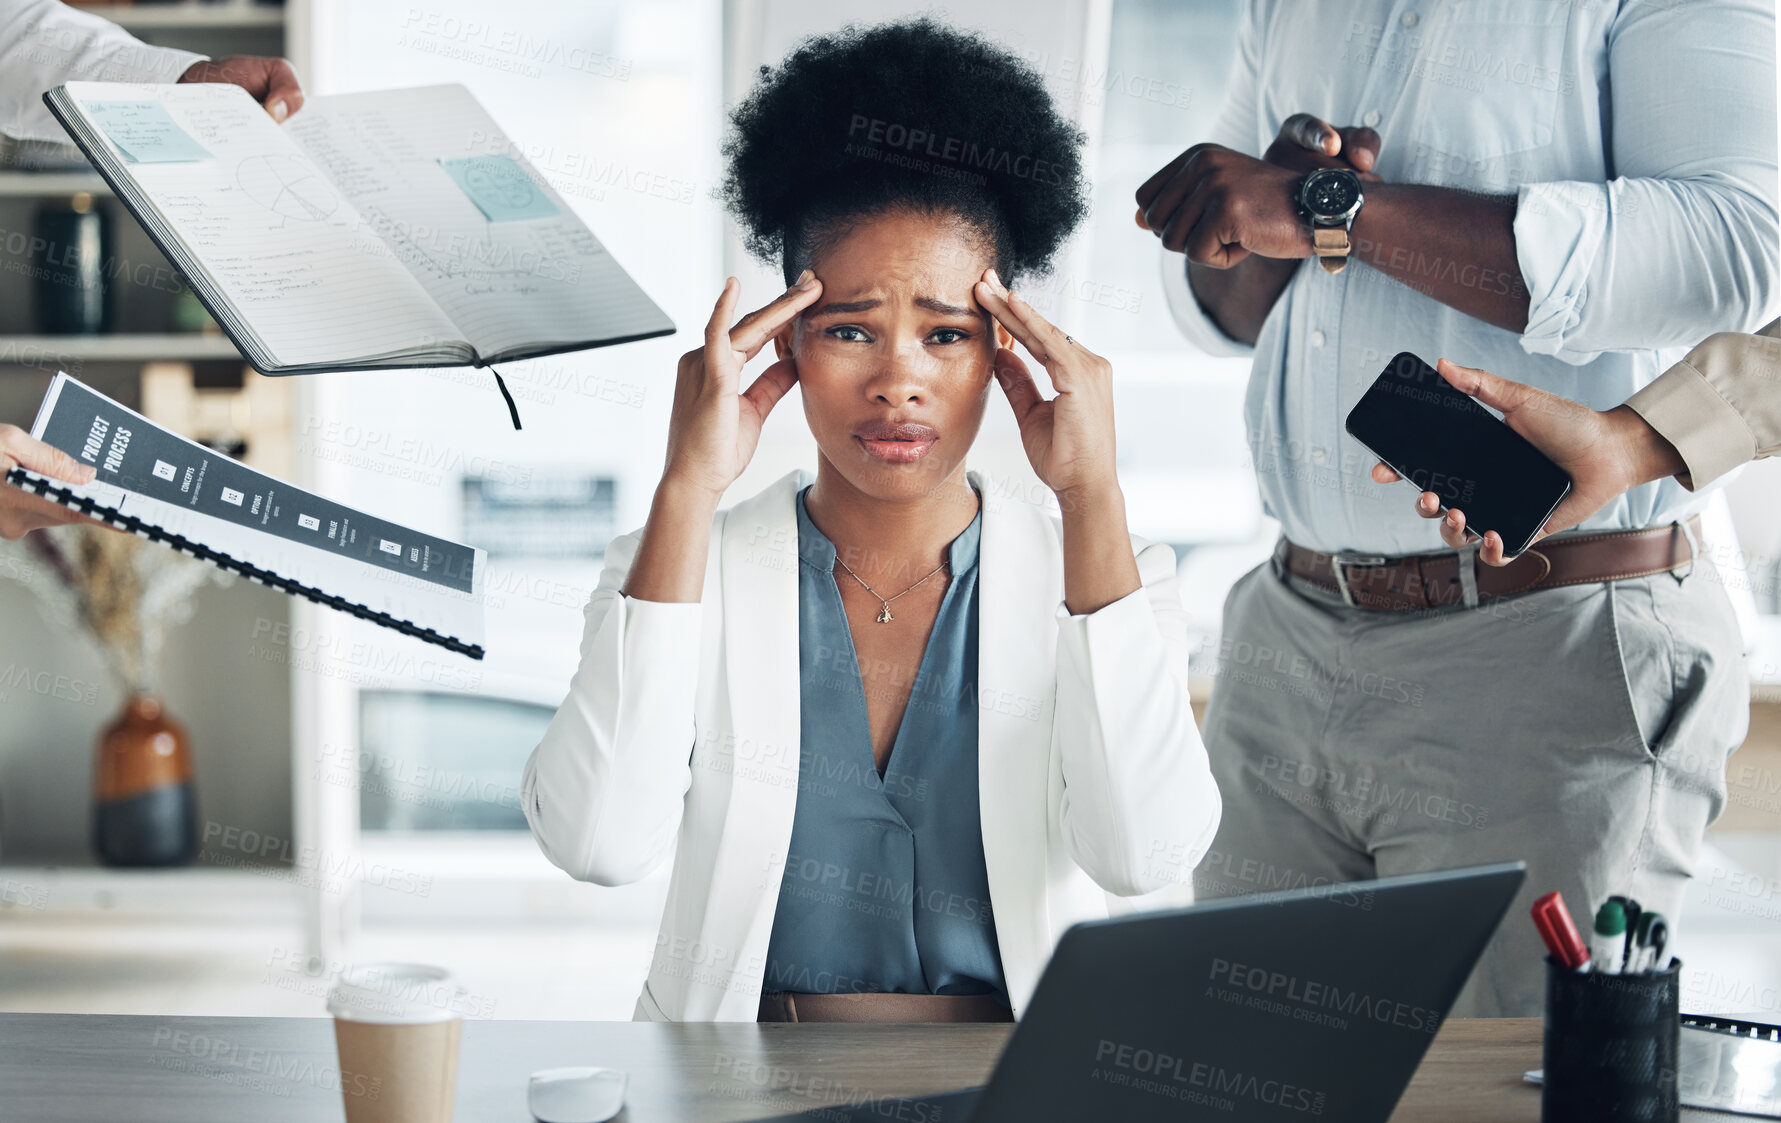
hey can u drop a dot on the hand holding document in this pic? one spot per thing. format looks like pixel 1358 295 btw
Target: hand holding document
pixel 20 511
pixel 269 81
pixel 377 230
pixel 167 489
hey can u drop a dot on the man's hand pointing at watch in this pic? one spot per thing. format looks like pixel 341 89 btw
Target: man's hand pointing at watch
pixel 1218 206
pixel 1305 144
pixel 1222 209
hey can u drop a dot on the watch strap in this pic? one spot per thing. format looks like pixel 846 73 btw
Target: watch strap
pixel 1332 247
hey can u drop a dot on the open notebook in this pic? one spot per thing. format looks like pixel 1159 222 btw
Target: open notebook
pixel 157 484
pixel 391 229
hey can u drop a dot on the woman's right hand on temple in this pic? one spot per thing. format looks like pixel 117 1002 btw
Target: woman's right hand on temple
pixel 713 428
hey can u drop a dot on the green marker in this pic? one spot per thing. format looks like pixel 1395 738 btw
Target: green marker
pixel 1607 948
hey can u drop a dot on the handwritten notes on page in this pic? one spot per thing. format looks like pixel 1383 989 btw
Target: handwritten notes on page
pixel 145 133
pixel 507 284
pixel 282 244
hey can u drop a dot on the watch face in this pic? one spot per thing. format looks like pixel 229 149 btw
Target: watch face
pixel 1330 192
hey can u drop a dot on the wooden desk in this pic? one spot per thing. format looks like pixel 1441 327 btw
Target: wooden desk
pixel 106 1068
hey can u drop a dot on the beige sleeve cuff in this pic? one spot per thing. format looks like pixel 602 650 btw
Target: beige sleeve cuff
pixel 1707 430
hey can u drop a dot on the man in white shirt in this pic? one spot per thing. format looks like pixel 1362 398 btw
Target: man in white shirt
pixel 1567 193
pixel 44 43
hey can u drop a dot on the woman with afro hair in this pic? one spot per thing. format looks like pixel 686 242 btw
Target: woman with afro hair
pixel 898 731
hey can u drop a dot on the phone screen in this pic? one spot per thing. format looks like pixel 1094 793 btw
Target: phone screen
pixel 1442 441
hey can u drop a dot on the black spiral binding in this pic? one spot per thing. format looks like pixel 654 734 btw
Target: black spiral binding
pixel 84 504
pixel 1754 1031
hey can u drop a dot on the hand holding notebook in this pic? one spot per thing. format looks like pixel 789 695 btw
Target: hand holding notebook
pixel 391 229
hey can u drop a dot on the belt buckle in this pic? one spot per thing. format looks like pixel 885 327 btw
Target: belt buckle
pixel 1694 549
pixel 1337 563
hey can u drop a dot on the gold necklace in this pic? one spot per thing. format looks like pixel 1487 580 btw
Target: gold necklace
pixel 884 615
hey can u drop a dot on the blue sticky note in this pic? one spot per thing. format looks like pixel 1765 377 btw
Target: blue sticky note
pixel 499 187
pixel 146 132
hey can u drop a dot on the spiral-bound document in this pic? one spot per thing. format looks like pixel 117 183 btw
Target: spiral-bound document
pixel 165 488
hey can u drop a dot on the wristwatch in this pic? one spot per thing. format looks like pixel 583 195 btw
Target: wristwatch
pixel 1329 198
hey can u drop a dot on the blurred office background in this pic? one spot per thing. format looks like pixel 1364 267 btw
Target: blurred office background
pixel 359 792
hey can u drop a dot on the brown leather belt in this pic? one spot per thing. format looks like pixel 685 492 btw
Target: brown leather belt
pixel 781 1007
pixel 1427 581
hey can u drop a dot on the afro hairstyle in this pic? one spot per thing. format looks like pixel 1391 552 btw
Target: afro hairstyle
pixel 911 115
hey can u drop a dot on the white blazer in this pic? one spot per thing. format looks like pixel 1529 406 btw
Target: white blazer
pixel 682 723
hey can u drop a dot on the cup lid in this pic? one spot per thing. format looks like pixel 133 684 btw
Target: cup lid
pixel 396 994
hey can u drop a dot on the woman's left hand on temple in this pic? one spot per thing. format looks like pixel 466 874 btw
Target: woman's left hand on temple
pixel 1069 438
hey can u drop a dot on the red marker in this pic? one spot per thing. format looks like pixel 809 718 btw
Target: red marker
pixel 1560 933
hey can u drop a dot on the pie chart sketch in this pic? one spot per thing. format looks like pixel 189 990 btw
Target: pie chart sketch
pixel 287 186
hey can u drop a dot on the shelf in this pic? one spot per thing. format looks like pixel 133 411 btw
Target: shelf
pixel 31 185
pixel 203 890
pixel 173 17
pixel 42 350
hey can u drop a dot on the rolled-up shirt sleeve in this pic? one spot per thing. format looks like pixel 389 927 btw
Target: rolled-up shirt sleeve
pixel 1237 129
pixel 1682 240
pixel 44 43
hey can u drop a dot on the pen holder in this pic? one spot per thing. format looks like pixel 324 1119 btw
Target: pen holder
pixel 1611 1046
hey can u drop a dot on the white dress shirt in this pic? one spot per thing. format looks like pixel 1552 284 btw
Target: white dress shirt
pixel 1638 138
pixel 44 43
pixel 680 736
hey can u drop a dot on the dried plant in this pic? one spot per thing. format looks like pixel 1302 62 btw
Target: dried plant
pixel 125 591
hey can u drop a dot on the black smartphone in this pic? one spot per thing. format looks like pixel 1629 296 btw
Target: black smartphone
pixel 1442 441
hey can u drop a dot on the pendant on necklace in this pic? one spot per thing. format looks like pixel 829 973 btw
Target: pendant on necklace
pixel 884 616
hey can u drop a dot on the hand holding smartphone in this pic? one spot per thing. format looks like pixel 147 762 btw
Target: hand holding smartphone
pixel 1442 441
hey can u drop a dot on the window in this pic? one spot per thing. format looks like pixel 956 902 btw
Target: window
pixel 440 762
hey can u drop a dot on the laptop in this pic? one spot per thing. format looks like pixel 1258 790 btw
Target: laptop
pixel 1316 1002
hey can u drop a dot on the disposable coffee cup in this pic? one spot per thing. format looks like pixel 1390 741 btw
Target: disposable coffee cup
pixel 396 1028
